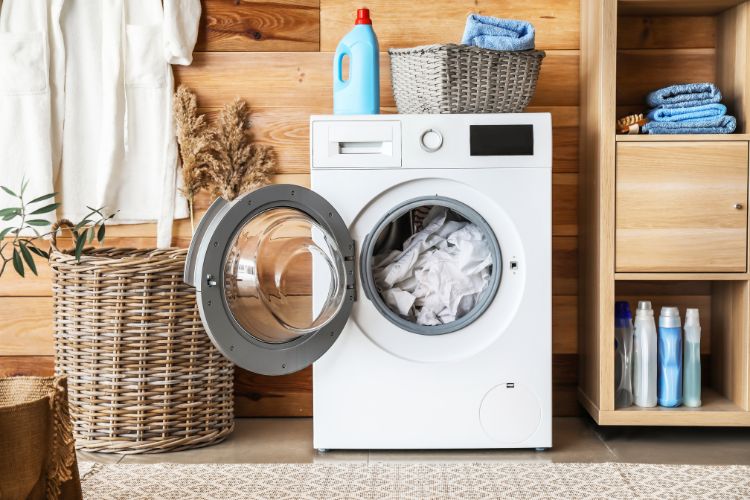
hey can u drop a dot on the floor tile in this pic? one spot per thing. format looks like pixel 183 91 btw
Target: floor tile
pixel 103 458
pixel 573 441
pixel 289 440
pixel 257 440
pixel 678 445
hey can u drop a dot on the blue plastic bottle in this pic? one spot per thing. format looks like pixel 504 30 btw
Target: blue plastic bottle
pixel 669 381
pixel 623 355
pixel 359 94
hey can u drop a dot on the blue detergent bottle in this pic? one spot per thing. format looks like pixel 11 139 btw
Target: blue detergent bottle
pixel 359 94
pixel 669 380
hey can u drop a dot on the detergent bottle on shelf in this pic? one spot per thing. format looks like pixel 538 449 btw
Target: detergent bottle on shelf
pixel 623 355
pixel 359 94
pixel 670 358
pixel 644 356
pixel 691 367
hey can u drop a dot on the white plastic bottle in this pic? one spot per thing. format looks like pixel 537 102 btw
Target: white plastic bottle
pixel 644 356
pixel 691 369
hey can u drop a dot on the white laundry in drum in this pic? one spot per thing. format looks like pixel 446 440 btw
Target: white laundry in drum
pixel 440 271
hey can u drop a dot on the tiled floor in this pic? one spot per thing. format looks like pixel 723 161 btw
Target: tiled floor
pixel 268 440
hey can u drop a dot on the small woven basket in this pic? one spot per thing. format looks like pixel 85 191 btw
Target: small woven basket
pixel 463 79
pixel 143 376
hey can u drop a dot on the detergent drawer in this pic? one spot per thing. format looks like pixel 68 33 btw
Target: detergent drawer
pixel 356 144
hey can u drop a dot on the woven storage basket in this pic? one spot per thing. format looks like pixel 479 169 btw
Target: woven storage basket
pixel 463 79
pixel 143 376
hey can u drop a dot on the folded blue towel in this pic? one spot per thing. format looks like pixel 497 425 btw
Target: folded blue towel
pixel 721 125
pixel 694 113
pixel 498 34
pixel 684 95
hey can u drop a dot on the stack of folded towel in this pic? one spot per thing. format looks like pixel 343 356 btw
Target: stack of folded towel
pixel 498 34
pixel 688 108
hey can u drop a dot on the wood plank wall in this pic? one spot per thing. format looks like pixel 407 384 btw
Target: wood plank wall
pixel 278 56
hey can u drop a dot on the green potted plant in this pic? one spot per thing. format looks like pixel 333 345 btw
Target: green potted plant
pixel 26 229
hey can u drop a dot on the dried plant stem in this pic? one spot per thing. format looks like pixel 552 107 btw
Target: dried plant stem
pixel 221 159
pixel 192 215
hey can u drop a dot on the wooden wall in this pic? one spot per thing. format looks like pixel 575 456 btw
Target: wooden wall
pixel 278 56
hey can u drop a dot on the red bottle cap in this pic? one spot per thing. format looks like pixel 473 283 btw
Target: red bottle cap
pixel 363 17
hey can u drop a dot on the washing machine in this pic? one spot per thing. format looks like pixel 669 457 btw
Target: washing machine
pixel 287 277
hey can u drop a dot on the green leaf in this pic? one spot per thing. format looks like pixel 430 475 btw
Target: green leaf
pixel 100 234
pixel 5 232
pixel 37 222
pixel 24 185
pixel 10 212
pixel 9 192
pixel 42 198
pixel 80 242
pixel 27 257
pixel 39 252
pixel 18 263
pixel 81 224
pixel 45 209
pixel 90 234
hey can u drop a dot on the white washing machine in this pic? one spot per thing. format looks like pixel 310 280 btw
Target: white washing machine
pixel 285 277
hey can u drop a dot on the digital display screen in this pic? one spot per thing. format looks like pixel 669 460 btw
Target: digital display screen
pixel 501 140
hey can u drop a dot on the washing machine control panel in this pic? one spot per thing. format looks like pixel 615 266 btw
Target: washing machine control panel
pixel 432 141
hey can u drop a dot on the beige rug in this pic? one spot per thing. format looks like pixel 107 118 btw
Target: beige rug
pixel 418 481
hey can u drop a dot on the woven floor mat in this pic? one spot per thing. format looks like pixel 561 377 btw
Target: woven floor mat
pixel 407 481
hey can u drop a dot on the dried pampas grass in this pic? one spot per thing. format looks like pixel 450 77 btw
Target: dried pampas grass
pixel 222 159
pixel 239 165
pixel 194 137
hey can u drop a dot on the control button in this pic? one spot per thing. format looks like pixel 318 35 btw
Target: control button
pixel 431 140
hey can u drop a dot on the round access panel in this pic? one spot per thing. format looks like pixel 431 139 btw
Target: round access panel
pixel 510 413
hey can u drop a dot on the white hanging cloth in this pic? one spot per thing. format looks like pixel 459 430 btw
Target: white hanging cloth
pixel 86 97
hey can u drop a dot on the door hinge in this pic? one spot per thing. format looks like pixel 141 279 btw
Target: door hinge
pixel 351 272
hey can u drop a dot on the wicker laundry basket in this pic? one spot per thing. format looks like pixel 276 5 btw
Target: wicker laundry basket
pixel 143 376
pixel 463 79
pixel 37 457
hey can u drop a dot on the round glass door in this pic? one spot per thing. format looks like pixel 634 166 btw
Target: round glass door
pixel 274 277
pixel 284 276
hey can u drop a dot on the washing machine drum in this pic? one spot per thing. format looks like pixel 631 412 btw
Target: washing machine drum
pixel 273 272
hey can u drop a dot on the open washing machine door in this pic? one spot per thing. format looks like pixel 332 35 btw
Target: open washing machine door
pixel 274 277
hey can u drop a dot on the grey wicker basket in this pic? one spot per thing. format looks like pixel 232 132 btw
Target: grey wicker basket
pixel 143 376
pixel 463 79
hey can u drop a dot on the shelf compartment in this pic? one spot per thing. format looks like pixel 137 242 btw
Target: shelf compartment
pixel 725 351
pixel 661 43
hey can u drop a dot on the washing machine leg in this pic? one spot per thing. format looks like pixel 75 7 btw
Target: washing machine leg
pixel 322 450
pixel 541 449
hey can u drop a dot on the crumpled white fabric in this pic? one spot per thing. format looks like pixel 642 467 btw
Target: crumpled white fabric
pixel 440 272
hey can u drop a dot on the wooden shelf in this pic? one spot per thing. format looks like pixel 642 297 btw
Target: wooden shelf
pixel 680 137
pixel 675 7
pixel 682 276
pixel 716 410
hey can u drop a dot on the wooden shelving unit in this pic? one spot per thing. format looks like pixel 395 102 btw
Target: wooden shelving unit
pixel 664 217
